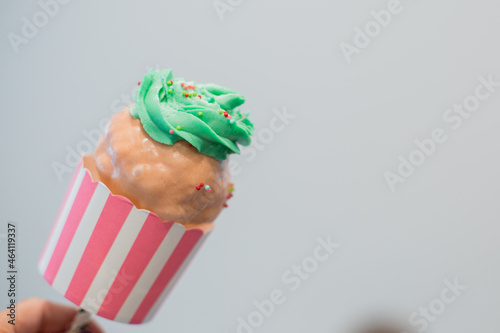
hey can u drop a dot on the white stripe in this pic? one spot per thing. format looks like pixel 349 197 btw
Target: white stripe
pixel 114 260
pixel 44 262
pixel 148 277
pixel 80 239
pixel 176 277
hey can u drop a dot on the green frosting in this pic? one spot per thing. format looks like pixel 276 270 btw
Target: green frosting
pixel 205 115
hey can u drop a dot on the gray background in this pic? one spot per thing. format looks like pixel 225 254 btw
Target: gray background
pixel 322 175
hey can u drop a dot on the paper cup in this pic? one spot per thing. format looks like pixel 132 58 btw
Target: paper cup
pixel 113 259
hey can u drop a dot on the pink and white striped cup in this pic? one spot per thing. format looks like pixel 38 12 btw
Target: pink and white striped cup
pixel 113 259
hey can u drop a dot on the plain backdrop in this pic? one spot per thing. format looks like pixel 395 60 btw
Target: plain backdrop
pixel 320 174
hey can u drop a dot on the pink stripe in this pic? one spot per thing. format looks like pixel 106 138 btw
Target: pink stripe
pixel 82 200
pixel 61 208
pixel 147 242
pixel 111 220
pixel 186 244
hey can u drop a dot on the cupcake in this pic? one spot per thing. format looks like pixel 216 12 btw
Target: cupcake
pixel 168 153
pixel 140 206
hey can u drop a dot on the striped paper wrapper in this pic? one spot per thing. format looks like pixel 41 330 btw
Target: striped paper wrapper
pixel 112 259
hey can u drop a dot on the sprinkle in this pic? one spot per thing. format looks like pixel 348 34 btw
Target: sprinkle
pixel 201 184
pixel 211 100
pixel 207 187
pixel 231 121
pixel 198 188
pixel 200 114
pixel 182 84
pixel 178 128
pixel 242 116
pixel 229 116
pixel 139 83
pixel 220 111
pixel 170 91
pixel 209 190
pixel 171 131
pixel 186 94
pixel 194 93
pixel 225 205
pixel 199 96
pixel 170 82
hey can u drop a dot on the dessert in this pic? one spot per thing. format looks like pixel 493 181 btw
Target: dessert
pixel 168 152
pixel 141 205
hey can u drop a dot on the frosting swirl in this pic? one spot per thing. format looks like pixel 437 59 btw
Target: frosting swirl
pixel 171 109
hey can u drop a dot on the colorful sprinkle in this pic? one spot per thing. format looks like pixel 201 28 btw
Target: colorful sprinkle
pixel 207 187
pixel 139 83
pixel 170 82
pixel 182 84
pixel 171 131
pixel 200 114
pixel 242 116
pixel 186 94
pixel 225 205
pixel 231 121
pixel 178 128
pixel 198 188
pixel 199 96
pixel 220 111
pixel 201 184
pixel 211 100
pixel 209 190
pixel 170 91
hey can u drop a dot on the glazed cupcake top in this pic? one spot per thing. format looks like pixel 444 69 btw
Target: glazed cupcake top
pixel 206 115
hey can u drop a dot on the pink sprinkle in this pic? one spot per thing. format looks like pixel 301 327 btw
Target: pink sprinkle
pixel 171 131
pixel 209 190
